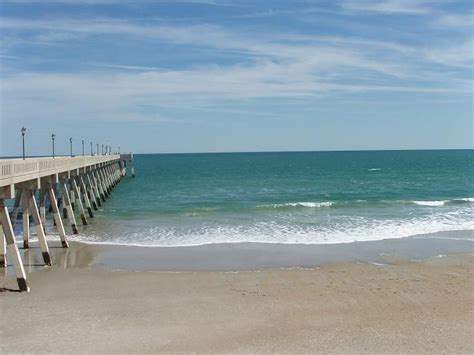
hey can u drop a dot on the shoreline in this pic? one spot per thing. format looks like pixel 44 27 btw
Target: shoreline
pixel 250 256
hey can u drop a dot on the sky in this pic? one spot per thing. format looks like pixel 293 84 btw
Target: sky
pixel 163 76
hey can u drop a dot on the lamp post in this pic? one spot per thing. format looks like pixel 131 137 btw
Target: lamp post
pixel 23 131
pixel 119 149
pixel 92 153
pixel 83 147
pixel 97 148
pixel 52 139
pixel 70 146
pixel 102 149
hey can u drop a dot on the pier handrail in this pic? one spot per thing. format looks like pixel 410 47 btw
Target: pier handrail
pixel 16 170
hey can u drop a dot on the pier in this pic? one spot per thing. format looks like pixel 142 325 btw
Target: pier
pixel 75 186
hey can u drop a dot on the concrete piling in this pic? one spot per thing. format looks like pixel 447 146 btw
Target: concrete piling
pixel 72 197
pixel 12 248
pixel 92 192
pixel 3 248
pixel 68 207
pixel 64 193
pixel 85 194
pixel 26 220
pixel 57 216
pixel 42 208
pixel 16 207
pixel 96 189
pixel 39 226
pixel 99 186
pixel 79 201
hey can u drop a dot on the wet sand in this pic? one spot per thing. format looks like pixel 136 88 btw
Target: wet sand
pixel 81 305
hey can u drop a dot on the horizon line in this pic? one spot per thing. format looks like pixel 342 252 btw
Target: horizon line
pixel 252 152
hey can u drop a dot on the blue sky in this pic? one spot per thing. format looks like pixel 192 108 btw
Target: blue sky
pixel 230 75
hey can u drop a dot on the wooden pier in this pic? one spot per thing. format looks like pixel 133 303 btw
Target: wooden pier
pixel 84 182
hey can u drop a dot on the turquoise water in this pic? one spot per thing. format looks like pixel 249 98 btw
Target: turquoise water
pixel 292 197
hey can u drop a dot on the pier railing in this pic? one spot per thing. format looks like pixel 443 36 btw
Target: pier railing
pixel 16 170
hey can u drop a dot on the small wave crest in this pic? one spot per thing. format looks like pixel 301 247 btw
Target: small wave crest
pixel 301 204
pixel 444 202
pixel 358 203
pixel 430 203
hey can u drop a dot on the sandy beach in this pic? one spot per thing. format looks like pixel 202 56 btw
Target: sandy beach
pixel 400 306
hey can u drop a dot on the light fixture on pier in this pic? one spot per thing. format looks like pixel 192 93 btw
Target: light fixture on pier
pixel 23 131
pixel 83 147
pixel 52 138
pixel 97 148
pixel 92 153
pixel 70 145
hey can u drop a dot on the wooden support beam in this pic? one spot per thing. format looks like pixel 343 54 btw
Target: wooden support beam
pixel 12 248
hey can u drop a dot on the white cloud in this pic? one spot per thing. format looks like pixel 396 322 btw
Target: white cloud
pixel 455 21
pixel 407 7
pixel 115 2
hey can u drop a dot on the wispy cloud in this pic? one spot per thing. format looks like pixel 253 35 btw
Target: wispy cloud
pixel 455 21
pixel 115 2
pixel 409 7
pixel 123 66
pixel 320 50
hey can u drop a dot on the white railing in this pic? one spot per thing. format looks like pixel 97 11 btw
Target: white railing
pixel 16 170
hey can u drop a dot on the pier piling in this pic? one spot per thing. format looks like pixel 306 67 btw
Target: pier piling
pixel 57 216
pixel 26 221
pixel 84 181
pixel 16 207
pixel 85 194
pixel 3 248
pixel 67 205
pixel 79 201
pixel 12 248
pixel 39 227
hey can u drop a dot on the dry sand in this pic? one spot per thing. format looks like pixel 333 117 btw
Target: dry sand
pixel 406 306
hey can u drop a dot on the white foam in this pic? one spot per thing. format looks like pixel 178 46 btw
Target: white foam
pixel 303 204
pixel 430 203
pixel 346 229
pixel 374 169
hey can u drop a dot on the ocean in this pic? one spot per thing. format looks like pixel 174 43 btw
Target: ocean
pixel 288 197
